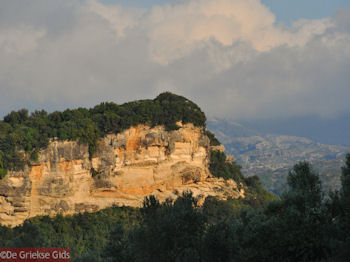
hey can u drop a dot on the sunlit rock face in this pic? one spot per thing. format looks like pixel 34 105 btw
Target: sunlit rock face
pixel 126 167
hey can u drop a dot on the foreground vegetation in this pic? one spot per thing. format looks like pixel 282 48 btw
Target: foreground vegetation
pixel 303 225
pixel 22 135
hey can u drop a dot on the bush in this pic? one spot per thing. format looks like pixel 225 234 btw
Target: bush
pixel 218 167
pixel 3 173
pixel 213 140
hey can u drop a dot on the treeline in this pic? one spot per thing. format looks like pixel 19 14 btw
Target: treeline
pixel 303 225
pixel 123 233
pixel 23 135
pixel 87 235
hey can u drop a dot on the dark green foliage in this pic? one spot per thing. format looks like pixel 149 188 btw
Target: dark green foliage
pixel 220 243
pixel 171 231
pixel 118 248
pixel 213 140
pixel 17 118
pixel 339 206
pixel 345 178
pixel 289 229
pixel 256 196
pixel 174 108
pixel 221 211
pixel 3 171
pixel 87 235
pixel 22 135
pixel 6 234
pixel 303 180
pixel 296 227
pixel 219 167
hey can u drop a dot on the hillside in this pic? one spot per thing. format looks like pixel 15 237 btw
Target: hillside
pixel 152 193
pixel 271 156
pixel 113 155
pixel 22 135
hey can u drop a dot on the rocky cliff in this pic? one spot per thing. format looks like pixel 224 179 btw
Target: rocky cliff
pixel 126 167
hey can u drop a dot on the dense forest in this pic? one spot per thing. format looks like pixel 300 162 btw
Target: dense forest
pixel 23 135
pixel 302 225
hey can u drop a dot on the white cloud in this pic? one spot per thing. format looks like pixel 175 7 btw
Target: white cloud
pixel 119 17
pixel 229 56
pixel 20 39
pixel 176 30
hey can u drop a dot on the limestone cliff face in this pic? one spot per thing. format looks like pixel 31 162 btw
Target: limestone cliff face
pixel 126 168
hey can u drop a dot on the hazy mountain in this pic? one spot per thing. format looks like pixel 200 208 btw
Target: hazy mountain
pixel 271 156
pixel 227 130
pixel 333 130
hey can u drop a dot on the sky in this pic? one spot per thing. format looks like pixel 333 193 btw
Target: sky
pixel 237 59
pixel 286 11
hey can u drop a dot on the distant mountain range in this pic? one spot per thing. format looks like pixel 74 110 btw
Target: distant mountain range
pixel 271 156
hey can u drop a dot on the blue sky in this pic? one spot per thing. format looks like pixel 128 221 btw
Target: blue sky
pixel 289 10
pixel 286 11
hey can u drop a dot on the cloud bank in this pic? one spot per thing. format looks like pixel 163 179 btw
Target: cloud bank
pixel 229 56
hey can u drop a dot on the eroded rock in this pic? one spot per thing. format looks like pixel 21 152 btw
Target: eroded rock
pixel 126 168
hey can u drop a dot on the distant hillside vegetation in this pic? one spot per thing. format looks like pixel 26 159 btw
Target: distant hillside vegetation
pixel 271 156
pixel 22 135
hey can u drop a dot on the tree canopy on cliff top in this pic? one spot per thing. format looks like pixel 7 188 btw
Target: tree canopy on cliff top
pixel 22 135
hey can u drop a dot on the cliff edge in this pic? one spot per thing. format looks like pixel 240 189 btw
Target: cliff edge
pixel 126 167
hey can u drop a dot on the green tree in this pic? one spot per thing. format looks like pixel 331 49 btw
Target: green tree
pixel 17 117
pixel 3 171
pixel 293 228
pixel 213 140
pixel 300 218
pixel 221 243
pixel 118 248
pixel 341 208
pixel 219 167
pixel 303 180
pixel 171 231
pixel 345 180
